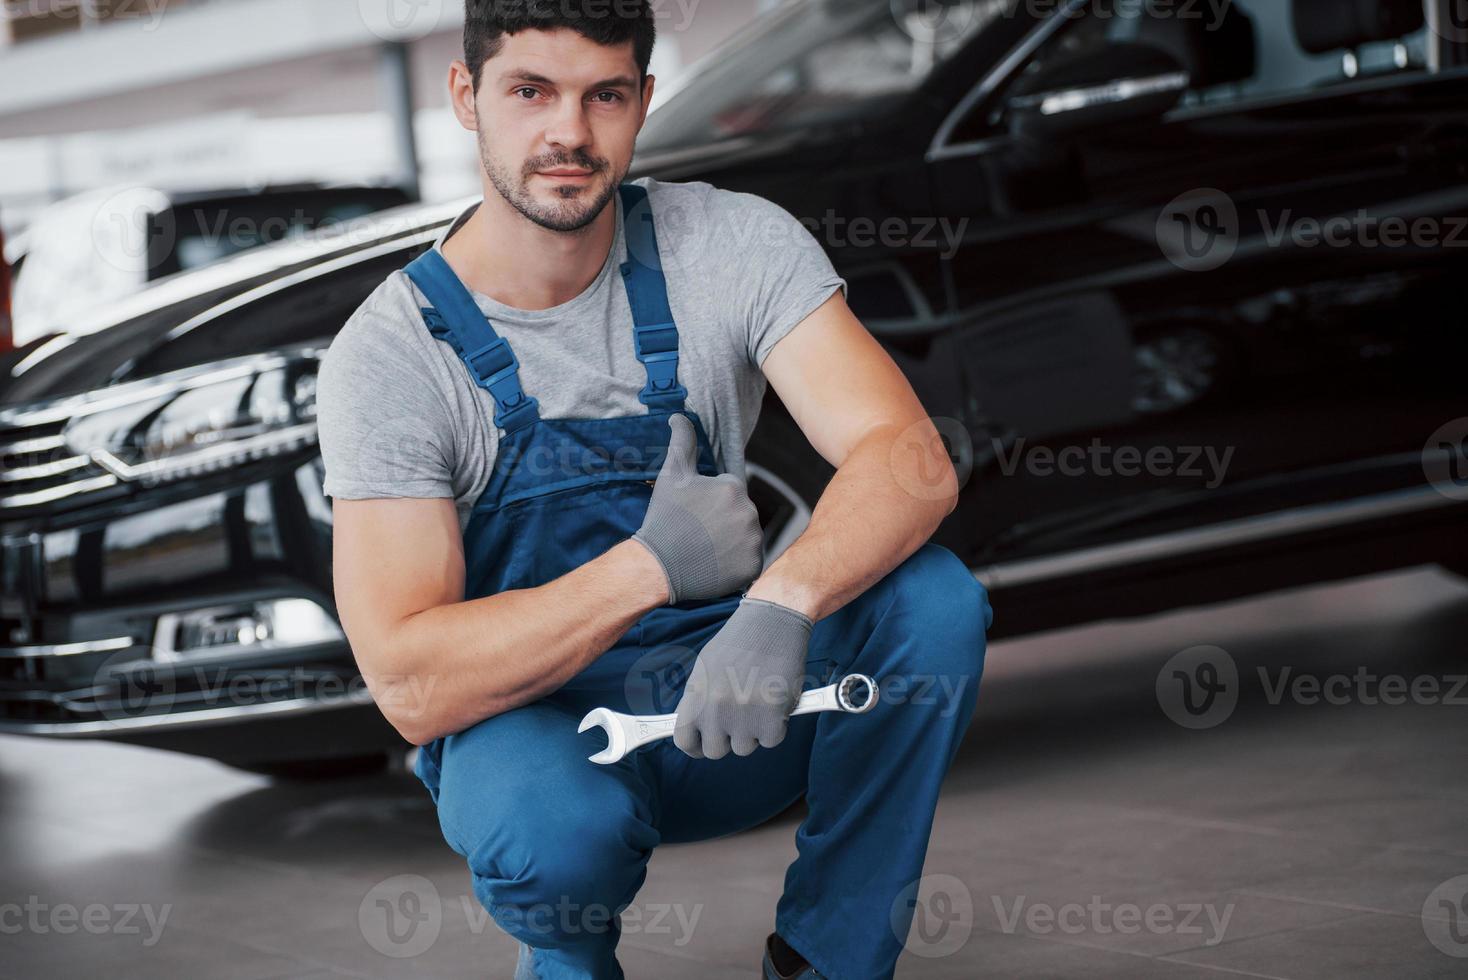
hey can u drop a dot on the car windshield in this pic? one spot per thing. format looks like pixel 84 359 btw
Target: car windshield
pixel 812 63
pixel 199 243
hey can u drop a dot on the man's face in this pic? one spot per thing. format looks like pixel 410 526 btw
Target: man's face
pixel 557 120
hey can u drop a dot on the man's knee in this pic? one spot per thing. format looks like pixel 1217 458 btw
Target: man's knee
pixel 569 891
pixel 938 602
pixel 939 592
pixel 553 865
pixel 554 844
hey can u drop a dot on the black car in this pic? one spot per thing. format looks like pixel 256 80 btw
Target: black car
pixel 82 253
pixel 1177 281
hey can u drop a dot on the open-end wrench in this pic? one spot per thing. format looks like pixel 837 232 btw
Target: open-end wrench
pixel 854 693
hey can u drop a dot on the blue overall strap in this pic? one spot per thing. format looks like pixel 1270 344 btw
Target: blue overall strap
pixel 456 318
pixel 655 335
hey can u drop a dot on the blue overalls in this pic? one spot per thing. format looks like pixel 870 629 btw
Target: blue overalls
pixel 556 845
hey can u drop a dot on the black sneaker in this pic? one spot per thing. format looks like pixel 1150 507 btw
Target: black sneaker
pixel 803 972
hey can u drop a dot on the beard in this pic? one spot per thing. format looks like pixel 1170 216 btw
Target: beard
pixel 577 208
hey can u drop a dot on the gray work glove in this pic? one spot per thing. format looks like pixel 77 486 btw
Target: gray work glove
pixel 745 682
pixel 703 530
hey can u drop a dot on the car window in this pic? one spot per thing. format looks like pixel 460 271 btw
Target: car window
pixel 207 233
pixel 1282 67
pixel 815 63
pixel 1235 51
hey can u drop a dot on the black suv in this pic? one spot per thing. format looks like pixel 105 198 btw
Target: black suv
pixel 1177 279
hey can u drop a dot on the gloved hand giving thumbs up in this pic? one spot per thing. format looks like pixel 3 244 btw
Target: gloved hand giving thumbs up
pixel 703 530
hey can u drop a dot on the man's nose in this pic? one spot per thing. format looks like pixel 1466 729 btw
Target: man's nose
pixel 569 129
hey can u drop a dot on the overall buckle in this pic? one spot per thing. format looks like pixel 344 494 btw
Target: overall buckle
pixel 657 349
pixel 496 367
pixel 509 418
pixel 493 362
pixel 653 339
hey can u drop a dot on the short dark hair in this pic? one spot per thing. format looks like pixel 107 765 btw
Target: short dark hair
pixel 608 22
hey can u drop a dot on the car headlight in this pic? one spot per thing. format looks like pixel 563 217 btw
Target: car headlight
pixel 199 420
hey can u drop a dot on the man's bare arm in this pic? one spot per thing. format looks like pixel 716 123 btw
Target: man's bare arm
pixel 894 482
pixel 436 664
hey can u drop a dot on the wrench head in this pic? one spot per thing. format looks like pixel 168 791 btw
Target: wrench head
pixel 856 693
pixel 615 726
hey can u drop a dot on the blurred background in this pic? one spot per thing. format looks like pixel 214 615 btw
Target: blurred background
pixel 1179 282
pixel 200 95
pixel 204 100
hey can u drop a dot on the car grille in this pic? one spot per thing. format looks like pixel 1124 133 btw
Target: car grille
pixel 37 468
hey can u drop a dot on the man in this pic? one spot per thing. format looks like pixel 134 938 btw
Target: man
pixel 534 441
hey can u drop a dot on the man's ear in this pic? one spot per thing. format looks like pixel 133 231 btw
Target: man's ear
pixel 647 86
pixel 461 96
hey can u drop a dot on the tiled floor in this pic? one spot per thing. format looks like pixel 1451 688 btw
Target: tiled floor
pixel 1081 834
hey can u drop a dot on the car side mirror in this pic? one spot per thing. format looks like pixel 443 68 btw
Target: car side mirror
pixel 1120 83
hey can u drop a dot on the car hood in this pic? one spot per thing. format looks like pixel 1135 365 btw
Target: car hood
pixel 94 346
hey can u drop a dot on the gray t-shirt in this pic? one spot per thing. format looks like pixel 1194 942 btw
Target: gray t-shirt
pixel 400 416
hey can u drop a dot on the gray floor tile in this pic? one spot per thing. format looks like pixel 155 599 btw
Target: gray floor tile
pixel 1365 945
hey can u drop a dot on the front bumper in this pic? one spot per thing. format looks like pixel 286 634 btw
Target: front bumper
pixel 108 688
pixel 100 610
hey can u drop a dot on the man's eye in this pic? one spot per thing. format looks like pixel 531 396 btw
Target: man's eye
pixel 533 92
pixel 614 96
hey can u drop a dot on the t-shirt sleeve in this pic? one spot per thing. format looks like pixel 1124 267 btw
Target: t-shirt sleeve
pixel 384 428
pixel 786 276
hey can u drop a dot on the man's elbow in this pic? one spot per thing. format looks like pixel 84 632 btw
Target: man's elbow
pixel 400 688
pixel 419 713
pixel 950 502
pixel 406 702
pixel 415 728
pixel 412 730
pixel 921 461
pixel 948 487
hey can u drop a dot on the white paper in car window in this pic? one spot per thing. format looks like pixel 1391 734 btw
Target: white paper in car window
pixel 84 252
